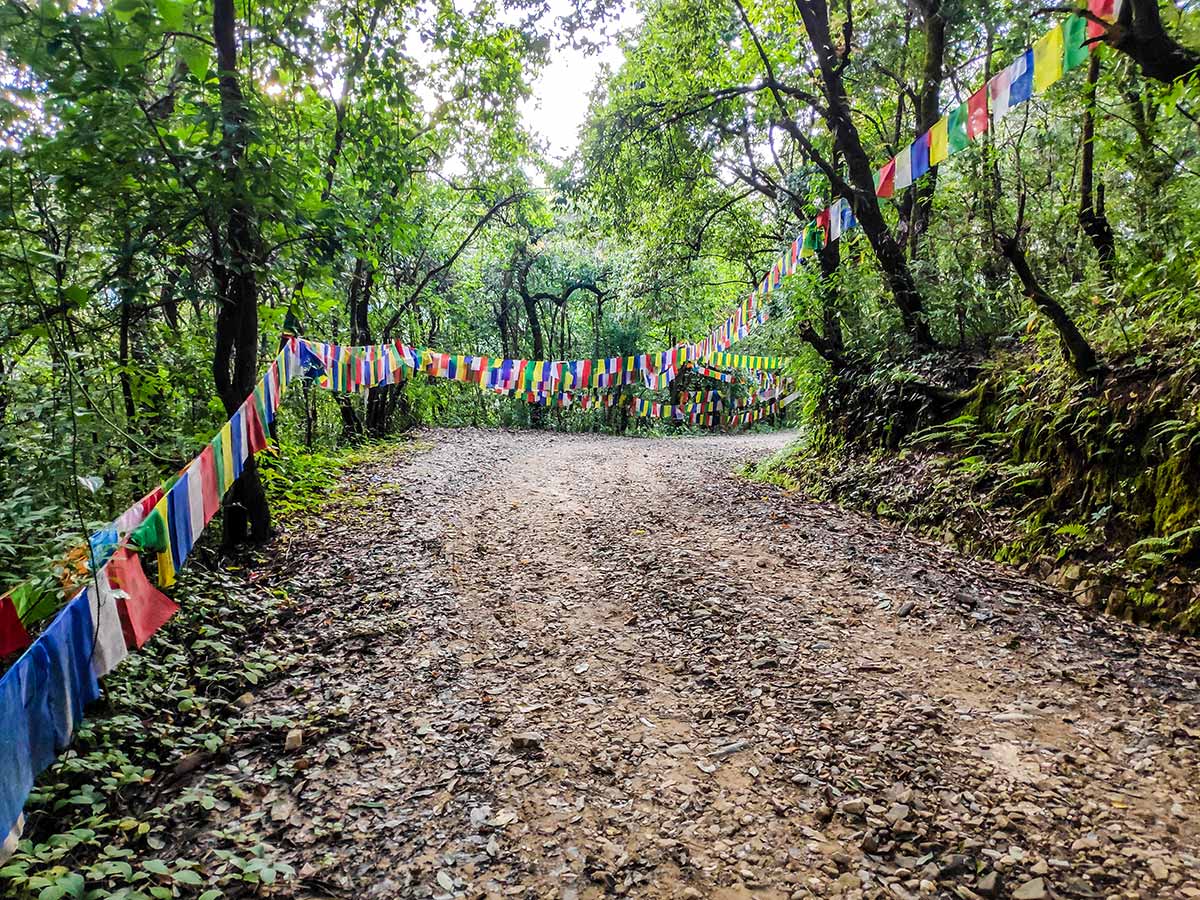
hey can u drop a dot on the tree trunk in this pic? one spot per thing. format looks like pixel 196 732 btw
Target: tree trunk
pixel 1092 219
pixel 235 258
pixel 1076 349
pixel 861 196
pixel 537 417
pixel 1140 35
pixel 928 114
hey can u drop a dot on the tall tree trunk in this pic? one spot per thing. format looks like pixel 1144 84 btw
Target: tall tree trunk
pixel 537 417
pixel 861 187
pixel 928 113
pixel 1092 218
pixel 235 259
pixel 1076 349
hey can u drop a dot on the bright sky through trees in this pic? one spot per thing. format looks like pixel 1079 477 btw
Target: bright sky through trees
pixel 559 103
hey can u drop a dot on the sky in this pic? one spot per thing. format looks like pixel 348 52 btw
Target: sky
pixel 559 103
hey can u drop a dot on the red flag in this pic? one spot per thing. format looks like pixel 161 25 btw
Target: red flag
pixel 256 438
pixel 823 219
pixel 977 113
pixel 208 481
pixel 885 180
pixel 144 609
pixel 1103 9
pixel 13 636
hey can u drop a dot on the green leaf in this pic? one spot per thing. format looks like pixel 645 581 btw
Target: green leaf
pixel 195 56
pixel 157 866
pixel 172 13
pixel 187 876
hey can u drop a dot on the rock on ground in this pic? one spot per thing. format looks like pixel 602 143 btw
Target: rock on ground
pixel 536 665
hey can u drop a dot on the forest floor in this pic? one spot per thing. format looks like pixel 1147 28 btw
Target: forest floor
pixel 536 665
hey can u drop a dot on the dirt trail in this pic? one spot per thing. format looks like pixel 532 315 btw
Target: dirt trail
pixel 573 666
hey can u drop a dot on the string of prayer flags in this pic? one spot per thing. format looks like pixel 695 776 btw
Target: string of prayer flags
pixel 1065 47
pixel 42 698
pixel 741 361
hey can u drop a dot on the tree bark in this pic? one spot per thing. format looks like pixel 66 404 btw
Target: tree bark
pixel 1092 218
pixel 1140 35
pixel 1076 349
pixel 235 259
pixel 928 113
pixel 860 190
pixel 537 416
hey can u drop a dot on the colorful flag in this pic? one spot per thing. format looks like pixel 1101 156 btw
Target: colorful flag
pixel 143 608
pixel 1048 59
pixel 179 521
pixel 939 141
pixel 956 129
pixel 885 180
pixel 1102 9
pixel 1020 88
pixel 206 463
pixel 823 223
pixel 13 636
pixel 835 219
pixel 1075 45
pixel 154 535
pixel 849 222
pixel 978 119
pixel 919 156
pixel 256 436
pixel 904 170
pixel 999 89
pixel 110 646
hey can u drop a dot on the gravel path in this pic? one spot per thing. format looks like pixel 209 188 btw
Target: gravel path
pixel 537 666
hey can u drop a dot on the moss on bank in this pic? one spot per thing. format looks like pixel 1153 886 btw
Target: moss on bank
pixel 1097 491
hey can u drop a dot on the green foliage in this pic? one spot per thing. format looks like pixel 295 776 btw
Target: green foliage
pixel 97 822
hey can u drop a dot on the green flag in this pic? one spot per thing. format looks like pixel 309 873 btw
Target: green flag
pixel 958 129
pixel 1075 51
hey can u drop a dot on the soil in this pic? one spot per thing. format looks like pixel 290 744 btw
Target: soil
pixel 537 665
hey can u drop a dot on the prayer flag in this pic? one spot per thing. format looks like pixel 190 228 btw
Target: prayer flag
pixel 1075 45
pixel 904 168
pixel 823 223
pixel 835 219
pixel 1020 88
pixel 72 683
pixel 849 222
pixel 143 608
pixel 13 636
pixel 206 462
pixel 179 521
pixel 1102 9
pixel 110 646
pixel 1048 59
pixel 919 156
pixel 956 128
pixel 196 520
pixel 885 180
pixel 255 434
pixel 939 141
pixel 999 93
pixel 154 535
pixel 977 113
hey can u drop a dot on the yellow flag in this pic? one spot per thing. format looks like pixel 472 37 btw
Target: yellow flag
pixel 1048 59
pixel 939 141
pixel 166 566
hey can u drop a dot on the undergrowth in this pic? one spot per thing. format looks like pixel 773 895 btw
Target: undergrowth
pixel 1098 491
pixel 104 820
